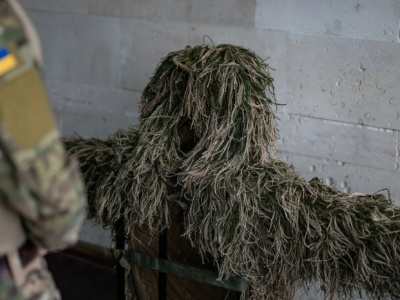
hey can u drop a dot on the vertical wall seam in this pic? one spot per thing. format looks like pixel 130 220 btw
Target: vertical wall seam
pixel 396 162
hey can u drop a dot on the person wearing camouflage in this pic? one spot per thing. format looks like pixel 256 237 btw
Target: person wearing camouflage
pixel 42 200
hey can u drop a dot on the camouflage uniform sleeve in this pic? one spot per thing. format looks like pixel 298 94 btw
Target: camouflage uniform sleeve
pixel 46 189
pixel 54 208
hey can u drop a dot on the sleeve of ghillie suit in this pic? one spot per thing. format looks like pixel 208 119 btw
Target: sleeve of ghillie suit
pixel 37 179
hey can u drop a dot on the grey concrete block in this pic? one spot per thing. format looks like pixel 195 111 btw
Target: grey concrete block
pixel 348 143
pixel 236 12
pixel 75 6
pixel 95 234
pixel 368 19
pixel 344 176
pixel 156 10
pixel 89 125
pixel 92 111
pixel 233 13
pixel 80 48
pixel 145 43
pixel 343 79
pixel 311 295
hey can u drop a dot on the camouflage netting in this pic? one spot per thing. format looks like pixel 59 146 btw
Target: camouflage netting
pixel 207 134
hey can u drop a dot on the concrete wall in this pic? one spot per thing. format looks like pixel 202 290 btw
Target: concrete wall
pixel 337 70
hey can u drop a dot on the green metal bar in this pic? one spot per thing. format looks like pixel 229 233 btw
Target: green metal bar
pixel 127 258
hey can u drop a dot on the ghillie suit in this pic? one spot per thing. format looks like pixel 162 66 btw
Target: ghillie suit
pixel 208 134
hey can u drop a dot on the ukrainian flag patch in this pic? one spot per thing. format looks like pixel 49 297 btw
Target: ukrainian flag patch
pixel 7 61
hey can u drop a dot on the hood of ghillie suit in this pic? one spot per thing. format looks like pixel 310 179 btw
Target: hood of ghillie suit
pixel 205 116
pixel 211 102
pixel 207 140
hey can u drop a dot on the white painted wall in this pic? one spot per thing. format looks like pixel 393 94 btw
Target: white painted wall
pixel 337 70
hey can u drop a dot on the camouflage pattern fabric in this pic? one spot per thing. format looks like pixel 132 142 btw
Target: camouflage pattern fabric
pixel 46 190
pixel 38 283
pixel 8 18
pixel 38 182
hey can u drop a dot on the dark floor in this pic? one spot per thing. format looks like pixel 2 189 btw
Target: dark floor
pixel 78 279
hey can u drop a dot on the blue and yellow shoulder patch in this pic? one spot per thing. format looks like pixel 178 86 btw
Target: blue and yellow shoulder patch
pixel 8 61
